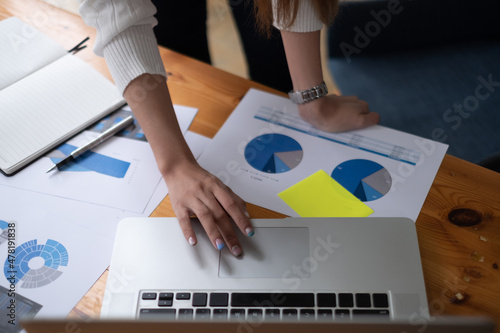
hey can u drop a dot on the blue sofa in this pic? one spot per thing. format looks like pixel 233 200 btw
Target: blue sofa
pixel 429 67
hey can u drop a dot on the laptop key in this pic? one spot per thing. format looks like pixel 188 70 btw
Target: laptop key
pixel 183 296
pixel 325 314
pixel 166 296
pixel 220 314
pixel 202 313
pixel 148 296
pixel 157 314
pixel 303 300
pixel 290 314
pixel 380 300
pixel 346 300
pixel 186 314
pixel 219 299
pixel 307 314
pixel 326 300
pixel 237 313
pixel 367 312
pixel 167 302
pixel 363 301
pixel 342 314
pixel 254 314
pixel 273 314
pixel 200 299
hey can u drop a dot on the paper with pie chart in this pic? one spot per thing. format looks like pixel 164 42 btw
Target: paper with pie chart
pixel 58 252
pixel 265 147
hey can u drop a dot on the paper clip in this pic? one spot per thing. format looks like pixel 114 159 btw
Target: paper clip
pixel 79 46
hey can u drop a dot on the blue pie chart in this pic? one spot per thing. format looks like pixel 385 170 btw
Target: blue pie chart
pixel 366 179
pixel 273 153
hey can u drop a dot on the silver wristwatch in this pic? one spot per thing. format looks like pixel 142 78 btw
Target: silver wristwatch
pixel 301 97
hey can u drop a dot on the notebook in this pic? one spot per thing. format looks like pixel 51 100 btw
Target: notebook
pixel 46 95
pixel 293 268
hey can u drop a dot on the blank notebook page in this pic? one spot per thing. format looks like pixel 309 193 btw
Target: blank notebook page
pixel 24 50
pixel 49 106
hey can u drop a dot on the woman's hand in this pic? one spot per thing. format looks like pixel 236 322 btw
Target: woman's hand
pixel 338 113
pixel 193 190
pixel 330 113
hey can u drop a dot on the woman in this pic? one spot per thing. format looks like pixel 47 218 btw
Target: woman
pixel 125 38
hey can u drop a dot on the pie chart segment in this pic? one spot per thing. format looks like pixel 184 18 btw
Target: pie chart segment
pixel 273 153
pixel 366 179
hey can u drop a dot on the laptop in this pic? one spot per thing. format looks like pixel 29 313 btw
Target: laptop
pixel 292 268
pixel 347 275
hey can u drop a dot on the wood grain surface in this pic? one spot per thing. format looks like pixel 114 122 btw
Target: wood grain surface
pixel 459 224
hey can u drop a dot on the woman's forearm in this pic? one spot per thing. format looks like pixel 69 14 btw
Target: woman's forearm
pixel 304 58
pixel 149 98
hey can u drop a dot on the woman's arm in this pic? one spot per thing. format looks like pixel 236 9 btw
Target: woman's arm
pixel 300 23
pixel 125 38
pixel 331 113
pixel 192 190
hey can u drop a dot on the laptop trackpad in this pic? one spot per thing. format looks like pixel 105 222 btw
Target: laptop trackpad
pixel 270 253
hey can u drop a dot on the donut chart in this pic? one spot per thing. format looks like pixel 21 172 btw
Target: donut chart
pixel 36 265
pixel 273 153
pixel 366 179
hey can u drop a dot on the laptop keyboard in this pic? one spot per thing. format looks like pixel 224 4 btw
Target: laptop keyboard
pixel 261 305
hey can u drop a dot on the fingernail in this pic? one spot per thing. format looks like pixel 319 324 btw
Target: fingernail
pixel 236 250
pixel 219 243
pixel 249 231
pixel 191 241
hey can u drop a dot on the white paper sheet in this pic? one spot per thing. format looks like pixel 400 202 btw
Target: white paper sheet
pixel 264 148
pixel 121 173
pixel 58 276
pixel 82 232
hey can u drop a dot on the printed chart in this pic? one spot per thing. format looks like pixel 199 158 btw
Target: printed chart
pixel 265 148
pixel 353 140
pixel 90 161
pixel 366 179
pixel 36 265
pixel 133 132
pixel 273 153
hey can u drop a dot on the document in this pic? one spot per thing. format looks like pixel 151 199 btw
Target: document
pixel 63 245
pixel 264 148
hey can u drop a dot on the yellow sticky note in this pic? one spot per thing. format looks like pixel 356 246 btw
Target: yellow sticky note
pixel 319 195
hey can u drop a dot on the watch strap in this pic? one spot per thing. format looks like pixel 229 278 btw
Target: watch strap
pixel 304 96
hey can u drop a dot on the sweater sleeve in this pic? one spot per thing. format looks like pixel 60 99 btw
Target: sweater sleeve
pixel 124 37
pixel 306 21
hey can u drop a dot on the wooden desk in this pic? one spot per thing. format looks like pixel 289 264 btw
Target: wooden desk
pixel 457 256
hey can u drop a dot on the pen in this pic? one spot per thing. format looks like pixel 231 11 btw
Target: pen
pixel 101 138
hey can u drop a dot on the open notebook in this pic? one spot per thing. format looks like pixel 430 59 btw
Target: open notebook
pixel 46 95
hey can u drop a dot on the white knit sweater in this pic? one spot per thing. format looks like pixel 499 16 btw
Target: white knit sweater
pixel 126 40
